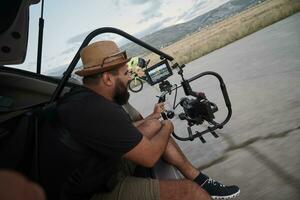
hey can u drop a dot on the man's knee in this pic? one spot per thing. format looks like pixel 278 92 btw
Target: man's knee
pixel 154 123
pixel 182 189
pixel 150 127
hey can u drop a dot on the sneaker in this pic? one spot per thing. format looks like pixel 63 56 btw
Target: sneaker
pixel 219 191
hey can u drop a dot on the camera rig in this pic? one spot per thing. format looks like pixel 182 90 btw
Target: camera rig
pixel 196 109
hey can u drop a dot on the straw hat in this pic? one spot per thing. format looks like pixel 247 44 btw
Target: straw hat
pixel 101 56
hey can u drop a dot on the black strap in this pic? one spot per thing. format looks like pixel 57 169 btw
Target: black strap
pixel 9 114
pixel 23 108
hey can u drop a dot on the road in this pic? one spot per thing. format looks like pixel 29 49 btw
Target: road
pixel 259 148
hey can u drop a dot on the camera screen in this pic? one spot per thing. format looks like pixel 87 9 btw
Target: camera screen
pixel 158 72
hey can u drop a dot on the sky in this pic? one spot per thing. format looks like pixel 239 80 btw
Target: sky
pixel 68 22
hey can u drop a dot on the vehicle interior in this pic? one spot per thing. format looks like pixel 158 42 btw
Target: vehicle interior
pixel 19 88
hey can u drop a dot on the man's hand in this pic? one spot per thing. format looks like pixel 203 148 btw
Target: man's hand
pixel 168 124
pixel 158 109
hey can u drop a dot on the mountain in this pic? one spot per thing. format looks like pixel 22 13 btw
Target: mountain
pixel 174 33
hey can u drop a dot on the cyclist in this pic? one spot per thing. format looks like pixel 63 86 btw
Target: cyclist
pixel 136 65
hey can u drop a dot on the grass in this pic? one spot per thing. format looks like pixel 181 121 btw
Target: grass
pixel 229 30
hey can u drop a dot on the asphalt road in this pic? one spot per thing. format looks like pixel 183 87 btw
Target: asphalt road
pixel 259 148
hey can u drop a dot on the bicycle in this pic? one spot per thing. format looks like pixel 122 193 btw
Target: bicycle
pixel 136 84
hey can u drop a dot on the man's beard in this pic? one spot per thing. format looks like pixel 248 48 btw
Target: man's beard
pixel 121 93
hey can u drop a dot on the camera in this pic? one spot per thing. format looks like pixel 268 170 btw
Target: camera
pixel 197 110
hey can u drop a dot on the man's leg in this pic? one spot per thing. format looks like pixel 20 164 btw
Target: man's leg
pixel 173 153
pixel 175 157
pixel 135 188
pixel 181 189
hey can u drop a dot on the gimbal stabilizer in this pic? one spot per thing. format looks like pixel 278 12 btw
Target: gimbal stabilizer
pixel 198 109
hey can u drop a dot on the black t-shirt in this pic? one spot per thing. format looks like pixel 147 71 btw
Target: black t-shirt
pixel 97 124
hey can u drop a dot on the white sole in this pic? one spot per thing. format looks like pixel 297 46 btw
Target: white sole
pixel 226 197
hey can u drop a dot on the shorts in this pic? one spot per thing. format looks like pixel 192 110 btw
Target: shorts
pixel 131 188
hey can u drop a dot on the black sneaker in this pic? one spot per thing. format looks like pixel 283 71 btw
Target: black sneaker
pixel 219 191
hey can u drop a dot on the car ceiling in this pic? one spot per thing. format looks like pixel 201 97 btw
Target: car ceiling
pixel 14 24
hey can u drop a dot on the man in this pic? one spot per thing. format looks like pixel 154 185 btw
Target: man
pixel 101 142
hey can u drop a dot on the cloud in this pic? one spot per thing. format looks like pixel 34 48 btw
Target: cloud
pixel 132 2
pixel 116 3
pixel 154 27
pixel 193 12
pixel 201 7
pixel 157 26
pixel 139 2
pixel 149 30
pixel 69 50
pixel 148 16
pixel 151 7
pixel 152 11
pixel 78 39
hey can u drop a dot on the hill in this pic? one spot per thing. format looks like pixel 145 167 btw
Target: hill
pixel 171 34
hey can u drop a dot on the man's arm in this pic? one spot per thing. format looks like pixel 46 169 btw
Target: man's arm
pixel 148 151
pixel 158 109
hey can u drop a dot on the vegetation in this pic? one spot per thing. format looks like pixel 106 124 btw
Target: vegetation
pixel 229 30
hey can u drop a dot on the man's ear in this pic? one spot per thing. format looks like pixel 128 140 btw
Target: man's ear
pixel 108 78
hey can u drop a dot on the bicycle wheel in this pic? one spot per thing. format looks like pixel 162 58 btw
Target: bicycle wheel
pixel 135 85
